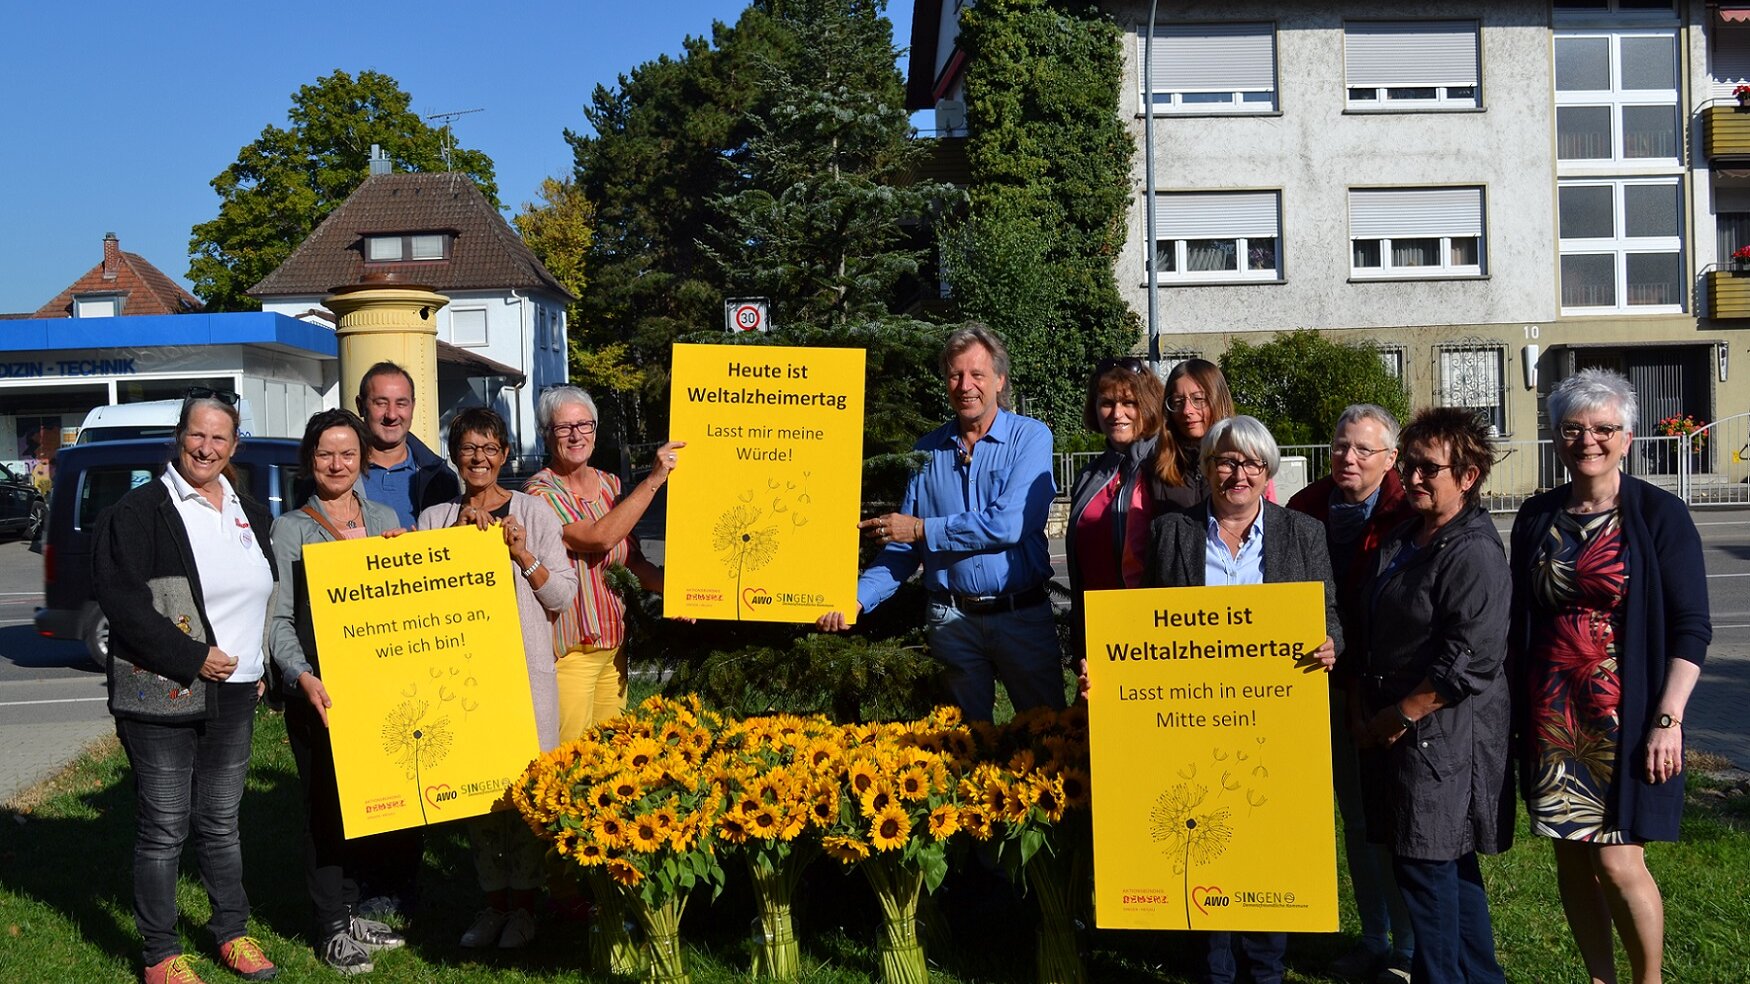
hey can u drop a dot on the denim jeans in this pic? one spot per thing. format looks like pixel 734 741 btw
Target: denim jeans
pixel 1455 942
pixel 1385 923
pixel 1262 952
pixel 1019 647
pixel 189 778
pixel 327 874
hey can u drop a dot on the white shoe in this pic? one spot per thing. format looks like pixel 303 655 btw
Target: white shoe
pixel 487 925
pixel 519 930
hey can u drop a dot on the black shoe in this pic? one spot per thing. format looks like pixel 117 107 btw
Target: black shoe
pixel 346 955
pixel 373 935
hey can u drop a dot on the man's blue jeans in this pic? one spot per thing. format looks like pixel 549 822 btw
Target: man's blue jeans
pixel 189 777
pixel 1455 941
pixel 1376 894
pixel 1019 647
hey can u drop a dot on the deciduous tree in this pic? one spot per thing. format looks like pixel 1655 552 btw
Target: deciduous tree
pixel 1298 382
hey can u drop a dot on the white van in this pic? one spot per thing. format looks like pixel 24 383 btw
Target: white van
pixel 154 418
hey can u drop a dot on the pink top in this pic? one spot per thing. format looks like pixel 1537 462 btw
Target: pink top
pixel 1101 569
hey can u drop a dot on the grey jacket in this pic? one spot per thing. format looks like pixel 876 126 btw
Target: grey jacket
pixel 1294 550
pixel 1442 790
pixel 291 639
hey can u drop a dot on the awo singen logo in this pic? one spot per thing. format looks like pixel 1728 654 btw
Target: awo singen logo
pixel 752 597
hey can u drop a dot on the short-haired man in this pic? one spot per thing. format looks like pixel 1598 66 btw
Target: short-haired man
pixel 974 517
pixel 1360 502
pixel 402 473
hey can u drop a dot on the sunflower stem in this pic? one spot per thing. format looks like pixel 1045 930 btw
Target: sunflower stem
pixel 897 886
pixel 612 951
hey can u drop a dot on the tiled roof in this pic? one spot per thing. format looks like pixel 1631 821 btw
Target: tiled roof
pixel 148 289
pixel 487 254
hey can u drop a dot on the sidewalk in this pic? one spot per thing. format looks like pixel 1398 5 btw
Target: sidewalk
pixel 1717 721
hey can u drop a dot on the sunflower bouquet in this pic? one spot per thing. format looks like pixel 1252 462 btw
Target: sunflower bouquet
pixel 634 805
pixel 1028 795
pixel 778 794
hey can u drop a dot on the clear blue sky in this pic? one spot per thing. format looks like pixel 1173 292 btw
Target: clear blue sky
pixel 115 116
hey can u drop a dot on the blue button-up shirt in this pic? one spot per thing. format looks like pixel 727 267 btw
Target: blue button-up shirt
pixel 1222 567
pixel 393 487
pixel 984 522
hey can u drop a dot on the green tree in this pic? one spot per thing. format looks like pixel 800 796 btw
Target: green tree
pixel 1050 178
pixel 286 181
pixel 1298 382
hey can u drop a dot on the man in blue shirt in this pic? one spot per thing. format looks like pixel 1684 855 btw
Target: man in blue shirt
pixel 974 517
pixel 403 473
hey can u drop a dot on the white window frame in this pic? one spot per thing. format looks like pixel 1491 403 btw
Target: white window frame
pixel 1616 99
pixel 1246 93
pixel 1621 246
pixel 1392 88
pixel 1612 10
pixel 376 249
pixel 1242 231
pixel 485 327
pixel 1417 213
pixel 1484 391
pixel 420 246
pixel 97 305
pixel 1395 359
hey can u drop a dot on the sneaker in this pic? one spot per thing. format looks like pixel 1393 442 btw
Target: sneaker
pixel 243 957
pixel 381 907
pixel 373 935
pixel 1359 964
pixel 344 954
pixel 486 929
pixel 519 930
pixel 172 970
pixel 1395 971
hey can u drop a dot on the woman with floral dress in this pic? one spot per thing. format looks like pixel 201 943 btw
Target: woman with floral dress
pixel 1609 629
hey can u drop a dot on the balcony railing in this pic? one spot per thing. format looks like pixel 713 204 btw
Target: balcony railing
pixel 1728 294
pixel 1726 132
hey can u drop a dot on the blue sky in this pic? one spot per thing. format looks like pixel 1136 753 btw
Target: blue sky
pixel 115 116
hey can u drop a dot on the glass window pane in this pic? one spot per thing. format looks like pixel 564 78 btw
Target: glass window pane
pixel 1733 230
pixel 428 247
pixel 1261 254
pixel 1466 93
pixel 1415 252
pixel 1584 212
pixel 1649 63
pixel 1651 210
pixel 1583 133
pixel 1582 64
pixel 1414 92
pixel 1366 255
pixel 1203 98
pixel 1649 131
pixel 1589 281
pixel 1257 97
pixel 1363 95
pixel 1166 253
pixel 1664 5
pixel 1211 254
pixel 1464 251
pixel 1655 278
pixel 383 248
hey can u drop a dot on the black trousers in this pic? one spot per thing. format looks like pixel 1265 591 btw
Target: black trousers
pixel 328 868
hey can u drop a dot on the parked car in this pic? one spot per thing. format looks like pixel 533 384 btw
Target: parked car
pixel 22 508
pixel 152 419
pixel 89 478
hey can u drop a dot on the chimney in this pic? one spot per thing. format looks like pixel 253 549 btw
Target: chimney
pixel 380 161
pixel 112 255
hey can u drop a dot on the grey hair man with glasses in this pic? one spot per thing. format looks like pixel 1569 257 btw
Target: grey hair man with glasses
pixel 1361 501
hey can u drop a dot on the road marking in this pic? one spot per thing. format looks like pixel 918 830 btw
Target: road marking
pixel 21 594
pixel 58 700
pixel 1745 574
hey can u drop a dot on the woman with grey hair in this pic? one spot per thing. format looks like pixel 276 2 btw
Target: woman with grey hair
pixel 1609 628
pixel 1236 537
pixel 598 518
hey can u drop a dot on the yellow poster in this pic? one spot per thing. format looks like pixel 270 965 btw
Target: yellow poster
pixel 762 512
pixel 422 654
pixel 1211 757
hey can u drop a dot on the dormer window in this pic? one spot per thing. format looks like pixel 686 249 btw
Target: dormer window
pixel 97 305
pixel 424 246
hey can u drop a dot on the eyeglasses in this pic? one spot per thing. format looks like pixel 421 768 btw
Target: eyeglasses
pixel 1426 470
pixel 1129 363
pixel 582 428
pixel 1571 431
pixel 1227 466
pixel 203 393
pixel 487 450
pixel 1349 449
pixel 1196 401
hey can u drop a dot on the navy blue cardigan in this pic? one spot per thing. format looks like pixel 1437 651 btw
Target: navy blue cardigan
pixel 1667 619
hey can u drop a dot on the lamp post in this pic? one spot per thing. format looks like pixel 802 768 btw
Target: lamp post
pixel 1148 153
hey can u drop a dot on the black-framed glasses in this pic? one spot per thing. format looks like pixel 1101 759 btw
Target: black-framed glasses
pixel 582 428
pixel 1349 449
pixel 205 393
pixel 1425 470
pixel 1571 431
pixel 1129 363
pixel 1227 466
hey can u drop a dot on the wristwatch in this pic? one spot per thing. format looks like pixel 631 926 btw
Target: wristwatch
pixel 1407 721
pixel 1667 721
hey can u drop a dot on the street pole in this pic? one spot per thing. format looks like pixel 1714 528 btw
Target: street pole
pixel 1148 234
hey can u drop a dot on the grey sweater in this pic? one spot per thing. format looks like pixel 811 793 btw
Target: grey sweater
pixel 291 639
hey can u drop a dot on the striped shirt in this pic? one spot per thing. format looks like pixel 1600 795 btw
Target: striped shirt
pixel 597 618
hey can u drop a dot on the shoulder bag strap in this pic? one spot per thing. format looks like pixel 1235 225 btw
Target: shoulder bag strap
pixel 323 522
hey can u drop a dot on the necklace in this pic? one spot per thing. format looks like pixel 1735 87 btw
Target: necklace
pixel 353 523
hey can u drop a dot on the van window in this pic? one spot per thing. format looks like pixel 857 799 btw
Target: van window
pixel 101 487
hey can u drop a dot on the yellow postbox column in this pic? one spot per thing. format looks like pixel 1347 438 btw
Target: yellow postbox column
pixel 382 320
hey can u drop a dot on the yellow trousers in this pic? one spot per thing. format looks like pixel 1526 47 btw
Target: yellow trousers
pixel 592 689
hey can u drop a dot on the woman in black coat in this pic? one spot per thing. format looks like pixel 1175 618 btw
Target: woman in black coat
pixel 1435 699
pixel 1610 627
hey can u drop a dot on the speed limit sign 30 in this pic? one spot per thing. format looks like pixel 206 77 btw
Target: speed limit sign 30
pixel 747 314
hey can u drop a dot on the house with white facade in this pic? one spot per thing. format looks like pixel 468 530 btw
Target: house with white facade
pixel 501 338
pixel 1496 193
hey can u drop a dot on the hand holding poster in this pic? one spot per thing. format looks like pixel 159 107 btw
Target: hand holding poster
pixel 762 512
pixel 422 653
pixel 1211 756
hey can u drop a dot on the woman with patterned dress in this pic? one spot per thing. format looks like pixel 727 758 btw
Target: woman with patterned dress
pixel 1609 629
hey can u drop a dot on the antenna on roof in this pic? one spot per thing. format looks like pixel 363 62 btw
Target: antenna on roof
pixel 446 139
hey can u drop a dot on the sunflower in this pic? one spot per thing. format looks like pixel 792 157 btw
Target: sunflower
pixel 847 850
pixel 860 775
pixel 913 783
pixel 890 829
pixel 976 821
pixel 610 830
pixel 944 822
pixel 642 753
pixel 732 827
pixel 823 805
pixel 665 817
pixel 589 854
pixel 600 796
pixel 876 799
pixel 626 788
pixel 764 823
pixel 644 835
pixel 624 872
pixel 1048 796
pixel 1075 788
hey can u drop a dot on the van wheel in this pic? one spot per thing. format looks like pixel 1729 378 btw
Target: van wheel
pixel 96 636
pixel 39 514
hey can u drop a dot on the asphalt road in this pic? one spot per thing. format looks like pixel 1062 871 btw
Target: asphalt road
pixel 52 697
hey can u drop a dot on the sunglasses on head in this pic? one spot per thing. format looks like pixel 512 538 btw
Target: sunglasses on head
pixel 1129 363
pixel 203 393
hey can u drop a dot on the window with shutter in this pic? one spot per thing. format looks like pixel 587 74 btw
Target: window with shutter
pixel 1217 237
pixel 1416 232
pixel 1209 68
pixel 1411 65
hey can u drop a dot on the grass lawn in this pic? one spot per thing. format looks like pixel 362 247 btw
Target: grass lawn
pixel 65 853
